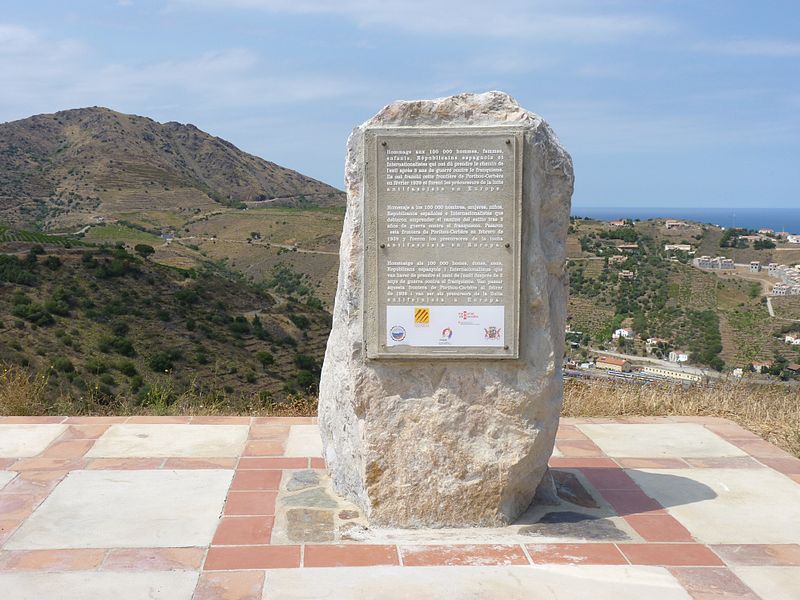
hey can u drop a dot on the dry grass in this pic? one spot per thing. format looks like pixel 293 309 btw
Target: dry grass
pixel 770 411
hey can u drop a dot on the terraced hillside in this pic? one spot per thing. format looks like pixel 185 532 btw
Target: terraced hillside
pixel 76 167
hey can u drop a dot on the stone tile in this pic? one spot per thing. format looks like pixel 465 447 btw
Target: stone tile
pixel 630 502
pixel 579 449
pixel 576 554
pixel 250 503
pixel 569 432
pixel 234 558
pixel 724 462
pixel 98 585
pixel 249 462
pixel 219 420
pixel 6 477
pixel 125 464
pixel 558 582
pixel 142 440
pixel 269 432
pixel 47 464
pixel 658 440
pixel 349 555
pixel 301 480
pixel 284 420
pixel 84 432
pixel 581 463
pixel 309 525
pixel 83 559
pixel 760 449
pixel 23 441
pixel 25 420
pixel 787 466
pixel 315 498
pixel 7 528
pixel 609 479
pixel 754 555
pixel 95 420
pixel 772 583
pixel 154 559
pixel 463 555
pixel 304 440
pixel 712 583
pixel 728 506
pixel 256 480
pixel 18 506
pixel 242 531
pixel 674 555
pixel 575 525
pixel 659 528
pixel 730 430
pixel 160 420
pixel 236 585
pixel 132 509
pixel 317 462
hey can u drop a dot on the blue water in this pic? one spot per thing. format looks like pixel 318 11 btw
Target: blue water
pixel 779 219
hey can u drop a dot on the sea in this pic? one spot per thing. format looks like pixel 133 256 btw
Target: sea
pixel 778 219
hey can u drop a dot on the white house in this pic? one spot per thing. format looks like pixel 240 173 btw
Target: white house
pixel 678 356
pixel 677 247
pixel 626 333
pixel 793 239
pixel 794 340
pixel 755 266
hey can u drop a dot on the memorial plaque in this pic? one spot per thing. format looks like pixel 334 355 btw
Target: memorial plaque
pixel 442 218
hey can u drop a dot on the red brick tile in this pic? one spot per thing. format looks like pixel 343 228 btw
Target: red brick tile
pixel 630 502
pixel 250 503
pixel 200 463
pixel 609 479
pixel 642 420
pixel 794 478
pixel 39 483
pixel 133 464
pixel 156 420
pixel 72 559
pixel 6 462
pixel 48 464
pixel 269 432
pixel 724 462
pixel 472 555
pixel 233 558
pixel 712 583
pixel 256 480
pixel 19 420
pixel 349 555
pixel 249 462
pixel 154 559
pixel 579 449
pixel 651 463
pixel 778 555
pixel 241 531
pixel 671 555
pixel 95 420
pixel 8 527
pixel 659 528
pixel 787 466
pixel 576 554
pixel 264 448
pixel 581 463
pixel 570 432
pixel 84 432
pixel 237 585
pixel 18 506
pixel 317 462
pixel 68 449
pixel 760 449
pixel 219 420
pixel 284 420
pixel 731 431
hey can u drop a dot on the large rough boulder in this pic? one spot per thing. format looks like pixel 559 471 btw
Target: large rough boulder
pixel 419 443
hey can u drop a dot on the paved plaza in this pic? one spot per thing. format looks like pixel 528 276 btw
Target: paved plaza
pixel 235 508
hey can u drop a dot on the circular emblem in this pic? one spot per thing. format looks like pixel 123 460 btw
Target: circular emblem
pixel 398 333
pixel 447 333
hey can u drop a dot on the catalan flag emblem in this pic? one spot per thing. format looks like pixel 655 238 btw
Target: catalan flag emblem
pixel 422 316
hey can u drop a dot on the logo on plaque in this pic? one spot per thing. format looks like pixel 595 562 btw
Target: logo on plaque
pixel 422 316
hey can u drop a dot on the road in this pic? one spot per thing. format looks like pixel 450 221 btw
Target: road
pixel 254 243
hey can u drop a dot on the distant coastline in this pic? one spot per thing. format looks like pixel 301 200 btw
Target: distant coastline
pixel 779 219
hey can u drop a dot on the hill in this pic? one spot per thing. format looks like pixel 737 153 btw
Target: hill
pixel 90 165
pixel 103 325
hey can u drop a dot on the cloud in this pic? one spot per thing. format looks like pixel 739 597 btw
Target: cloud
pixel 754 47
pixel 543 19
pixel 38 73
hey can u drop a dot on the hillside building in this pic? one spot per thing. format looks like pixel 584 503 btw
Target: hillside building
pixel 672 373
pixel 793 339
pixel 625 333
pixel 773 269
pixel 759 366
pixel 626 274
pixel 678 356
pixel 617 259
pixel 677 248
pixel 611 363
pixel 720 263
pixel 755 266
pixel 676 225
pixel 627 247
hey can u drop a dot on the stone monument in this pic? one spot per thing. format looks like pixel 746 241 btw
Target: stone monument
pixel 441 386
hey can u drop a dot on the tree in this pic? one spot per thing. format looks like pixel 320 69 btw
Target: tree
pixel 144 250
pixel 265 358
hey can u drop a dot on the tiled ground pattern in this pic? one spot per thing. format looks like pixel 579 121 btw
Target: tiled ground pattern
pixel 162 552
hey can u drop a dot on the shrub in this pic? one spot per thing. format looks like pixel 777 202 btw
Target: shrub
pixel 144 250
pixel 63 364
pixel 265 358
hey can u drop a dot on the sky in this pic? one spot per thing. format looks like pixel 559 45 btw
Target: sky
pixel 690 103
